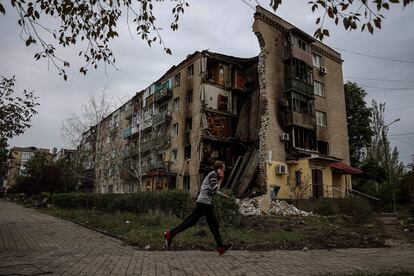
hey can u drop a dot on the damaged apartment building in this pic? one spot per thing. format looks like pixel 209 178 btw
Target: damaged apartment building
pixel 277 120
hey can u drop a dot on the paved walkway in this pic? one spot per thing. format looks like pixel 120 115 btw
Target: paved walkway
pixel 32 243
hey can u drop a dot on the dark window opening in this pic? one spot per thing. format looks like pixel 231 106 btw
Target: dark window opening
pixel 189 124
pixel 187 152
pixel 304 138
pixel 323 147
pixel 298 178
pixel 189 96
pixel 186 182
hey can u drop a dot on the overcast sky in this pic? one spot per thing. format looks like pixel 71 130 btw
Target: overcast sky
pixel 220 26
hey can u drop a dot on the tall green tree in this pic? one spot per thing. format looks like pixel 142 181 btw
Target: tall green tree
pixel 359 122
pixel 15 111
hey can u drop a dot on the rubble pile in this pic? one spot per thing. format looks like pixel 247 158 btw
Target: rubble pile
pixel 278 207
pixel 256 207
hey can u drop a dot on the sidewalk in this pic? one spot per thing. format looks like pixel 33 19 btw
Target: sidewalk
pixel 31 243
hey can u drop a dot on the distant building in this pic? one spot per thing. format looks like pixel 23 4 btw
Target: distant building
pixel 65 154
pixel 16 162
pixel 277 120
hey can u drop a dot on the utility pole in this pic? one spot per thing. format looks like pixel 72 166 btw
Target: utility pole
pixel 386 149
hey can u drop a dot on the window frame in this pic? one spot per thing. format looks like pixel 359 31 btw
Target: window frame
pixel 321 118
pixel 177 77
pixel 322 88
pixel 190 71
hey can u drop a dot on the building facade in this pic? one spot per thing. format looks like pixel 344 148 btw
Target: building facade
pixel 16 162
pixel 277 120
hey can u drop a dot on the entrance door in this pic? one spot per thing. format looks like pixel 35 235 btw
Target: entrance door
pixel 317 184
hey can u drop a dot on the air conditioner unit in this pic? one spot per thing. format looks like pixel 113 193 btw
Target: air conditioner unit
pixel 323 71
pixel 281 169
pixel 284 136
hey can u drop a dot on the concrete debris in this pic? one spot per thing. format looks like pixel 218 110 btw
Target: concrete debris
pixel 255 207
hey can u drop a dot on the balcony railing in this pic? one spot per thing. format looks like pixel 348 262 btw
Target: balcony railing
pixel 161 118
pixel 130 131
pixel 155 165
pixel 162 95
pixel 300 119
pixel 299 86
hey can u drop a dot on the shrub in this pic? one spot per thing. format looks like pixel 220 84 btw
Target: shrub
pixel 326 207
pixel 169 202
pixel 69 200
pixel 227 210
pixel 360 210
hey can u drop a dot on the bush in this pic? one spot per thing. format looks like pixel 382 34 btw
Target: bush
pixel 227 210
pixel 360 210
pixel 326 207
pixel 169 202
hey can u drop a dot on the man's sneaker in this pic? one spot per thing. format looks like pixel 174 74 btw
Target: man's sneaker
pixel 223 249
pixel 168 238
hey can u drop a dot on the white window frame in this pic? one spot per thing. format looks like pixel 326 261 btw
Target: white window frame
pixel 190 71
pixel 317 60
pixel 321 119
pixel 176 103
pixel 321 90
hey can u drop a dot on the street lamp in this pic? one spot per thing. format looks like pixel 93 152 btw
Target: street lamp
pixel 387 161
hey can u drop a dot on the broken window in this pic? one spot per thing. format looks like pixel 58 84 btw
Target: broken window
pixel 186 182
pixel 298 69
pixel 301 104
pixel 175 129
pixel 177 103
pixel 163 108
pixel 190 71
pixel 188 124
pixel 304 138
pixel 319 88
pixel 298 178
pixel 187 152
pixel 189 96
pixel 174 155
pixel 323 147
pixel 222 103
pixel 321 118
pixel 221 75
pixel 177 79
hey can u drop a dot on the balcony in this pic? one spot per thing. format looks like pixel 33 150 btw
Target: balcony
pixel 300 87
pixel 130 131
pixel 156 166
pixel 300 119
pixel 161 118
pixel 162 95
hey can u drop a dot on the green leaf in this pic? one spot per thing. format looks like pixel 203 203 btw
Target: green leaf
pixel 2 9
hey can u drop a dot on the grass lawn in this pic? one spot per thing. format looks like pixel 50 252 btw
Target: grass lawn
pixel 254 233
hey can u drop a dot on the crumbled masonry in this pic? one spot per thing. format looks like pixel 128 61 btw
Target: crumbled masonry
pixel 256 207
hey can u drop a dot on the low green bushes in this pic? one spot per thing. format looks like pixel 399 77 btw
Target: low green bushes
pixel 358 209
pixel 170 202
pixel 176 202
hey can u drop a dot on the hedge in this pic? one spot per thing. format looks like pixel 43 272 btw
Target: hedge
pixel 175 202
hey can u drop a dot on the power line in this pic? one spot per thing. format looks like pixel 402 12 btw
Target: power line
pixel 371 56
pixel 388 88
pixel 402 141
pixel 357 78
pixel 401 134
